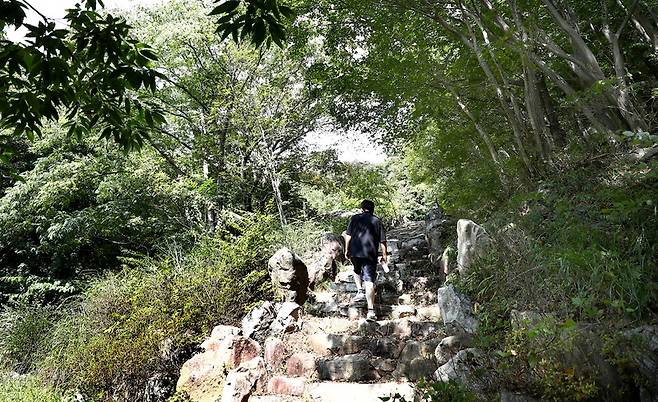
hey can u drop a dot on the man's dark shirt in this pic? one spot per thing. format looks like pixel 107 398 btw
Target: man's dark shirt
pixel 367 232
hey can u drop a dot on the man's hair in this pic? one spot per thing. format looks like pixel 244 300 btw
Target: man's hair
pixel 368 205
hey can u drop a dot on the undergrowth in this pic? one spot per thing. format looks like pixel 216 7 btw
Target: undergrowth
pixel 579 249
pixel 29 389
pixel 147 319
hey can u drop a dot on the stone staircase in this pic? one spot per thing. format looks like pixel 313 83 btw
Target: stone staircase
pixel 338 355
pixel 333 353
pixel 408 289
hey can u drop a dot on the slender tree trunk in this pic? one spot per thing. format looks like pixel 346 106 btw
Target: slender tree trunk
pixel 626 106
pixel 276 187
pixel 516 128
pixel 558 134
pixel 211 213
pixel 534 107
pixel 533 100
pixel 643 24
pixel 581 50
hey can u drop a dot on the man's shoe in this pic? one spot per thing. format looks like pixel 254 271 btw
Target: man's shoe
pixel 360 297
pixel 371 316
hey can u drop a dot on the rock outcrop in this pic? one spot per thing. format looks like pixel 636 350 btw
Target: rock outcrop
pixel 323 266
pixel 289 276
pixel 472 241
pixel 436 230
pixel 202 377
pixel 456 308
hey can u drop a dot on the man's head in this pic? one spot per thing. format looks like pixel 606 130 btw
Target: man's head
pixel 368 205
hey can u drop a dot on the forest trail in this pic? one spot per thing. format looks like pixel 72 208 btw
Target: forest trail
pixel 335 354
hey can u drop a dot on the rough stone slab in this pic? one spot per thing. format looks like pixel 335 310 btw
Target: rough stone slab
pixel 449 346
pixel 347 368
pixel 321 344
pixel 456 308
pixel 343 287
pixel 405 299
pixel 389 347
pixel 244 380
pixel 286 385
pixel 343 392
pixel 472 241
pixel 402 311
pixel 218 334
pixel 301 365
pixel 429 313
pixel 275 352
pixel 417 360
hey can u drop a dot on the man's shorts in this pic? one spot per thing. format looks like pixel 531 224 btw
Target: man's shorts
pixel 365 268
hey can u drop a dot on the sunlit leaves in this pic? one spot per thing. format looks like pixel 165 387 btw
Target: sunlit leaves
pixel 262 21
pixel 92 73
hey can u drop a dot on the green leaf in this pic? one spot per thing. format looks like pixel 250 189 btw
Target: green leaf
pixel 225 18
pixel 260 33
pixel 134 78
pixel 286 11
pixel 225 7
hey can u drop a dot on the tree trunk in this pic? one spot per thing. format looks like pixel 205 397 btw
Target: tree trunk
pixel 516 127
pixel 211 213
pixel 533 100
pixel 558 134
pixel 626 107
pixel 276 187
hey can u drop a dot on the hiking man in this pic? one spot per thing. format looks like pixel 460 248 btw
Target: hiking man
pixel 364 234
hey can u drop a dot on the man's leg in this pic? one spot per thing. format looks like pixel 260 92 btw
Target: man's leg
pixel 358 271
pixel 357 281
pixel 370 294
pixel 369 276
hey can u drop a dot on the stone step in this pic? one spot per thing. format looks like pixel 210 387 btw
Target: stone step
pixel 353 367
pixel 404 327
pixel 343 392
pixel 325 344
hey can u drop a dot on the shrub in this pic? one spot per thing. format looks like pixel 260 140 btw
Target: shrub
pixel 24 336
pixel 436 392
pixel 28 389
pixel 145 319
pixel 585 252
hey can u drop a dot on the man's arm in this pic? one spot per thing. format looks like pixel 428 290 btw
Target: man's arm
pixel 347 246
pixel 384 252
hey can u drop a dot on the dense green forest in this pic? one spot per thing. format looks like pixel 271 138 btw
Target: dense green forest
pixel 153 160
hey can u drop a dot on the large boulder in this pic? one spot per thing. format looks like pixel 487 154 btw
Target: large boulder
pixel 355 367
pixel 468 367
pixel 641 351
pixel 435 231
pixel 417 360
pixel 449 346
pixel 472 240
pixel 323 266
pixel 289 276
pixel 275 353
pixel 456 309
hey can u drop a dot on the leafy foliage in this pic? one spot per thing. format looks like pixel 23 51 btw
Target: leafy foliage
pixel 263 21
pixel 92 70
pixel 79 208
pixel 29 389
pixel 144 320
